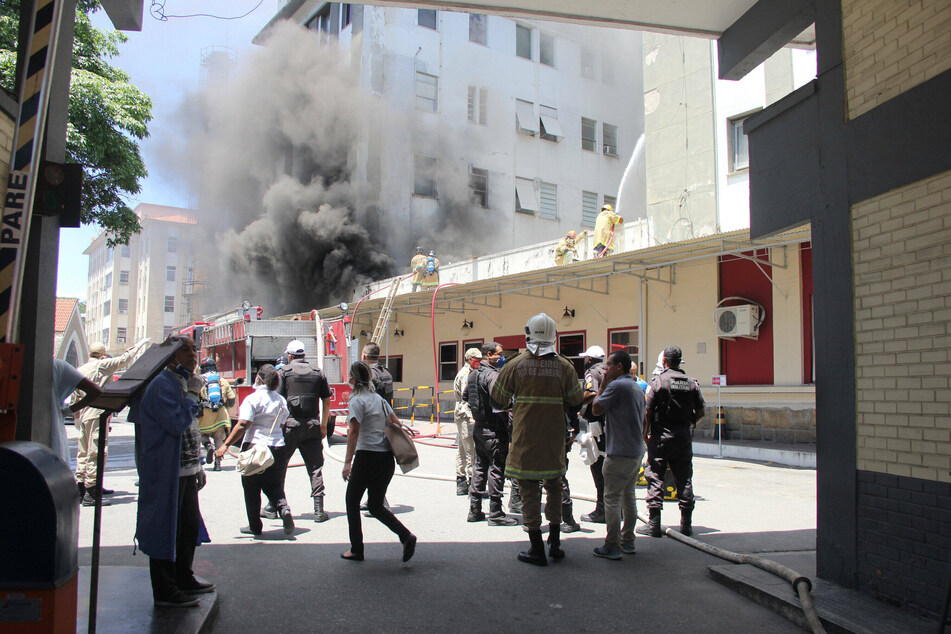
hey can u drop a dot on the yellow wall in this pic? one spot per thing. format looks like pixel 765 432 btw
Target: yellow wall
pixel 901 255
pixel 787 317
pixel 890 47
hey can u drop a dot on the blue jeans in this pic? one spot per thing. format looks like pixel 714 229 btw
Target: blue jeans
pixel 620 473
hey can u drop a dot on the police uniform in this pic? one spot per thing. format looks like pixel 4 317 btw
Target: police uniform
pixel 676 403
pixel 305 387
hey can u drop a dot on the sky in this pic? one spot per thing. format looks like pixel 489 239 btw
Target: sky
pixel 164 61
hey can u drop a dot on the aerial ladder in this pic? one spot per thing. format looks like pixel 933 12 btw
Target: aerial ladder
pixel 380 329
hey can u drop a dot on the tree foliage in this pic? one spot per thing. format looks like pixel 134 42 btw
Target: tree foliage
pixel 107 117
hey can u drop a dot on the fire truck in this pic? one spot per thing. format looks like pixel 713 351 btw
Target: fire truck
pixel 240 342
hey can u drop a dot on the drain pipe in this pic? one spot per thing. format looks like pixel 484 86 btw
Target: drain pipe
pixel 641 330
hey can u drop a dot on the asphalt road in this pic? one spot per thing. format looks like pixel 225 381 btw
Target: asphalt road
pixel 464 577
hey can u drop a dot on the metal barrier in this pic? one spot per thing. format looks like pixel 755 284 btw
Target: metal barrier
pixel 448 411
pixel 412 404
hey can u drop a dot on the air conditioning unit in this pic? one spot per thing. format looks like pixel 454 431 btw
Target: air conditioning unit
pixel 738 321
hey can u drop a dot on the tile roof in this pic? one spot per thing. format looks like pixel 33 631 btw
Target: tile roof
pixel 64 309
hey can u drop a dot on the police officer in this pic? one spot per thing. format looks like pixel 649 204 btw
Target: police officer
pixel 674 406
pixel 491 437
pixel 594 370
pixel 308 396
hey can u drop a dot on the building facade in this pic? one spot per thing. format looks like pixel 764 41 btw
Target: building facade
pixel 142 289
pixel 526 125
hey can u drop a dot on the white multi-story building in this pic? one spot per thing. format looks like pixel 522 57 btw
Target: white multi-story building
pixel 142 289
pixel 532 124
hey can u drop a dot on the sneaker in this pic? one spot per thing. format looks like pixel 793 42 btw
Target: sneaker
pixel 574 527
pixel 179 600
pixel 628 549
pixel 288 520
pixel 607 553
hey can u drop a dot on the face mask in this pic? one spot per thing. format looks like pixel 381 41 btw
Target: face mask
pixel 182 371
pixel 500 362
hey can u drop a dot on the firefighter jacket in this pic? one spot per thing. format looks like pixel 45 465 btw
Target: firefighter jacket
pixel 212 419
pixel 675 402
pixel 478 394
pixel 539 389
pixel 418 266
pixel 604 228
pixel 100 372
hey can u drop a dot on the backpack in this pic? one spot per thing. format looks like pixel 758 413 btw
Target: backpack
pixel 383 382
pixel 301 383
pixel 213 386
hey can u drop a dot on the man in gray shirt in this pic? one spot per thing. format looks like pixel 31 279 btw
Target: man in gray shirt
pixel 623 405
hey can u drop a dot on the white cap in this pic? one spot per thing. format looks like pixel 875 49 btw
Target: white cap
pixel 295 347
pixel 660 364
pixel 97 348
pixel 540 335
pixel 595 352
pixel 473 353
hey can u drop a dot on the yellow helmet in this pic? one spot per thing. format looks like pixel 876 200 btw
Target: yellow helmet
pixel 607 207
pixel 571 234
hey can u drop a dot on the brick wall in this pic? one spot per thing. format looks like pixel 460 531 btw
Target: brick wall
pixel 891 46
pixel 781 425
pixel 904 539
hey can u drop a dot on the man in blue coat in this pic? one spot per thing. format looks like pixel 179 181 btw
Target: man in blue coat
pixel 167 522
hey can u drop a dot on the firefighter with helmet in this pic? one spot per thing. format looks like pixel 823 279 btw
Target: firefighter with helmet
pixel 217 396
pixel 566 251
pixel 431 271
pixel 418 266
pixel 604 231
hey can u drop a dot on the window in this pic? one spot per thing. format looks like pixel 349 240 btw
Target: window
pixel 589 135
pixel 589 208
pixel 126 251
pixel 123 307
pixel 424 176
pixel 172 244
pixel 525 120
pixel 609 138
pixel 472 343
pixel 610 200
pixel 479 186
pixel 107 283
pixel 169 273
pixel 346 15
pixel 546 49
pixel 523 41
pixel 548 201
pixel 587 62
pixel 426 18
pixel 739 145
pixel 395 365
pixel 607 70
pixel 120 335
pixel 572 345
pixel 427 92
pixel 105 337
pixel 107 308
pixel 109 254
pixel 321 24
pixel 478 98
pixel 624 339
pixel 448 358
pixel 549 127
pixel 123 278
pixel 525 200
pixel 477 23
pixel 169 303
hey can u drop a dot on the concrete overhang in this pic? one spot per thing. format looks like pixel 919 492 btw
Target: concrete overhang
pixel 126 15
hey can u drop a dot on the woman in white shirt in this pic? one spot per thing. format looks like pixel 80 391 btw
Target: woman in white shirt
pixel 260 421
pixel 370 463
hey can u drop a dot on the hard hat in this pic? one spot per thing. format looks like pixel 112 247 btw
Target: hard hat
pixel 571 234
pixel 419 249
pixel 607 207
pixel 540 334
pixel 207 361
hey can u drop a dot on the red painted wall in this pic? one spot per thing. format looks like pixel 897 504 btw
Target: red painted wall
pixel 748 361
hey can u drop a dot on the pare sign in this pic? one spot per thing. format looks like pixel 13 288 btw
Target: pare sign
pixel 719 380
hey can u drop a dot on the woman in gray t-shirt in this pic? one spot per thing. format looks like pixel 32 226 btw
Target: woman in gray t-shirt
pixel 370 464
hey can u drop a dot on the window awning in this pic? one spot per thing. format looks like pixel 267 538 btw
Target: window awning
pixel 551 126
pixel 525 116
pixel 525 190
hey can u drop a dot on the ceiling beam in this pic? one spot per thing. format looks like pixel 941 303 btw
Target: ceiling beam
pixel 764 29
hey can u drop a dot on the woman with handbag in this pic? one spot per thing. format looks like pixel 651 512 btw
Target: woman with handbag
pixel 370 463
pixel 260 421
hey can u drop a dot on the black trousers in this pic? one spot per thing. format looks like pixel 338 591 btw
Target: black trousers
pixel 675 454
pixel 488 468
pixel 371 472
pixel 270 482
pixel 597 475
pixel 307 439
pixel 168 576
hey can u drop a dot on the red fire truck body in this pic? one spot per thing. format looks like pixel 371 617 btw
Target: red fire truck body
pixel 240 344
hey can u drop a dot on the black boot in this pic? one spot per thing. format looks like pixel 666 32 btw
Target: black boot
pixel 686 517
pixel 475 510
pixel 319 515
pixel 515 499
pixel 82 490
pixel 596 516
pixel 269 512
pixel 536 554
pixel 568 523
pixel 217 466
pixel 497 516
pixel 652 528
pixel 554 543
pixel 92 494
pixel 462 486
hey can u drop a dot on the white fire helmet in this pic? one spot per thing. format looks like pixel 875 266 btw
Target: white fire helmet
pixel 540 335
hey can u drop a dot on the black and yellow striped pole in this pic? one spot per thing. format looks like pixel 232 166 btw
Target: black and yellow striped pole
pixel 24 164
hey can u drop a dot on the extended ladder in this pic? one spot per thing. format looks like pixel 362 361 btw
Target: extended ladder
pixel 385 311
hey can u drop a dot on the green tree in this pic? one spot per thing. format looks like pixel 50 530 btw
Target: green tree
pixel 107 118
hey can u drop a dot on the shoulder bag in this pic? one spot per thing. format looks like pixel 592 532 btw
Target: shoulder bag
pixel 401 442
pixel 258 457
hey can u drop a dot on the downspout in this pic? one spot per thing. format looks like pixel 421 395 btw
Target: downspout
pixel 716 130
pixel 641 337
